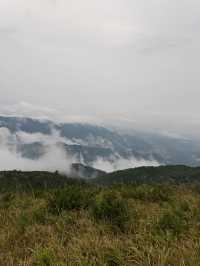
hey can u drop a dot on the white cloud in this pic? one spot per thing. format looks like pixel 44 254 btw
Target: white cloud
pixel 54 158
pixel 53 139
pixel 121 163
pixel 27 109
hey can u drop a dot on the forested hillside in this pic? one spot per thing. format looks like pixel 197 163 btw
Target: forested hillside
pixel 160 174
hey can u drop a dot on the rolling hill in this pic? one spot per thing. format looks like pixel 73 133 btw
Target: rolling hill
pixel 147 175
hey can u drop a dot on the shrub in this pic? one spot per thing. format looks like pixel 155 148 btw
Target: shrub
pixel 22 222
pixel 6 200
pixel 156 193
pixel 185 206
pixel 113 257
pixel 44 257
pixel 39 215
pixel 111 207
pixel 173 222
pixel 70 198
pixel 161 193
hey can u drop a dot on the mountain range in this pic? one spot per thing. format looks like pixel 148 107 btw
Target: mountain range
pixel 95 146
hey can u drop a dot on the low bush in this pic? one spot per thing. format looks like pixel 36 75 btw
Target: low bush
pixel 185 206
pixel 111 207
pixel 39 215
pixel 174 222
pixel 70 198
pixel 22 222
pixel 156 193
pixel 6 200
pixel 113 257
pixel 43 257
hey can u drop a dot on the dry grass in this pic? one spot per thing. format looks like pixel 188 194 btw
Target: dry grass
pixel 31 235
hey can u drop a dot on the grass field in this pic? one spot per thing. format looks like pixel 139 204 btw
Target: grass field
pixel 87 225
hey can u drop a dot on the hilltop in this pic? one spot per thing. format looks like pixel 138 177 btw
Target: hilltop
pixel 160 174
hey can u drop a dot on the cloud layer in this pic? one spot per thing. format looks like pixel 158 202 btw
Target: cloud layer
pixel 54 156
pixel 132 59
pixel 122 163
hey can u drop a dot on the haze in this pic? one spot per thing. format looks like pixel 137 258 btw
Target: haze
pixel 134 62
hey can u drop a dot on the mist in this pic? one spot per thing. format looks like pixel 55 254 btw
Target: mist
pixel 54 157
pixel 119 163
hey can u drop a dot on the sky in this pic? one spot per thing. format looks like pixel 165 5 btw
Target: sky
pixel 128 62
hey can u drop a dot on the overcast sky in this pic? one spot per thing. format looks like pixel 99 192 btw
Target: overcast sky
pixel 131 61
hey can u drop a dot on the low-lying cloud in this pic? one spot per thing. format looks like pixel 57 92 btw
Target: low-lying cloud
pixel 121 163
pixel 54 156
pixel 54 159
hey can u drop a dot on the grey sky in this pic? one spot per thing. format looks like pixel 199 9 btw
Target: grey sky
pixel 136 61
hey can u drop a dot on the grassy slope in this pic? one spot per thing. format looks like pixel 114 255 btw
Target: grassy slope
pixel 162 225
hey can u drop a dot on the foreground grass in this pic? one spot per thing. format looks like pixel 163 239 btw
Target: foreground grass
pixel 147 225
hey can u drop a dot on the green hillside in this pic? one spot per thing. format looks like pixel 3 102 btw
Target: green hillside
pixel 161 174
pixel 15 181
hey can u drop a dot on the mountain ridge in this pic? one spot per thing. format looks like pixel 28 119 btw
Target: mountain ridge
pixel 151 174
pixel 96 146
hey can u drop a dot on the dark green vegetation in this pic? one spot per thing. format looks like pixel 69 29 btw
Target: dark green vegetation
pixel 175 174
pixel 84 171
pixel 27 181
pixel 146 175
pixel 47 219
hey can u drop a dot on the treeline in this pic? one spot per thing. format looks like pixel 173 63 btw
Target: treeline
pixel 34 180
pixel 150 175
pixel 177 174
